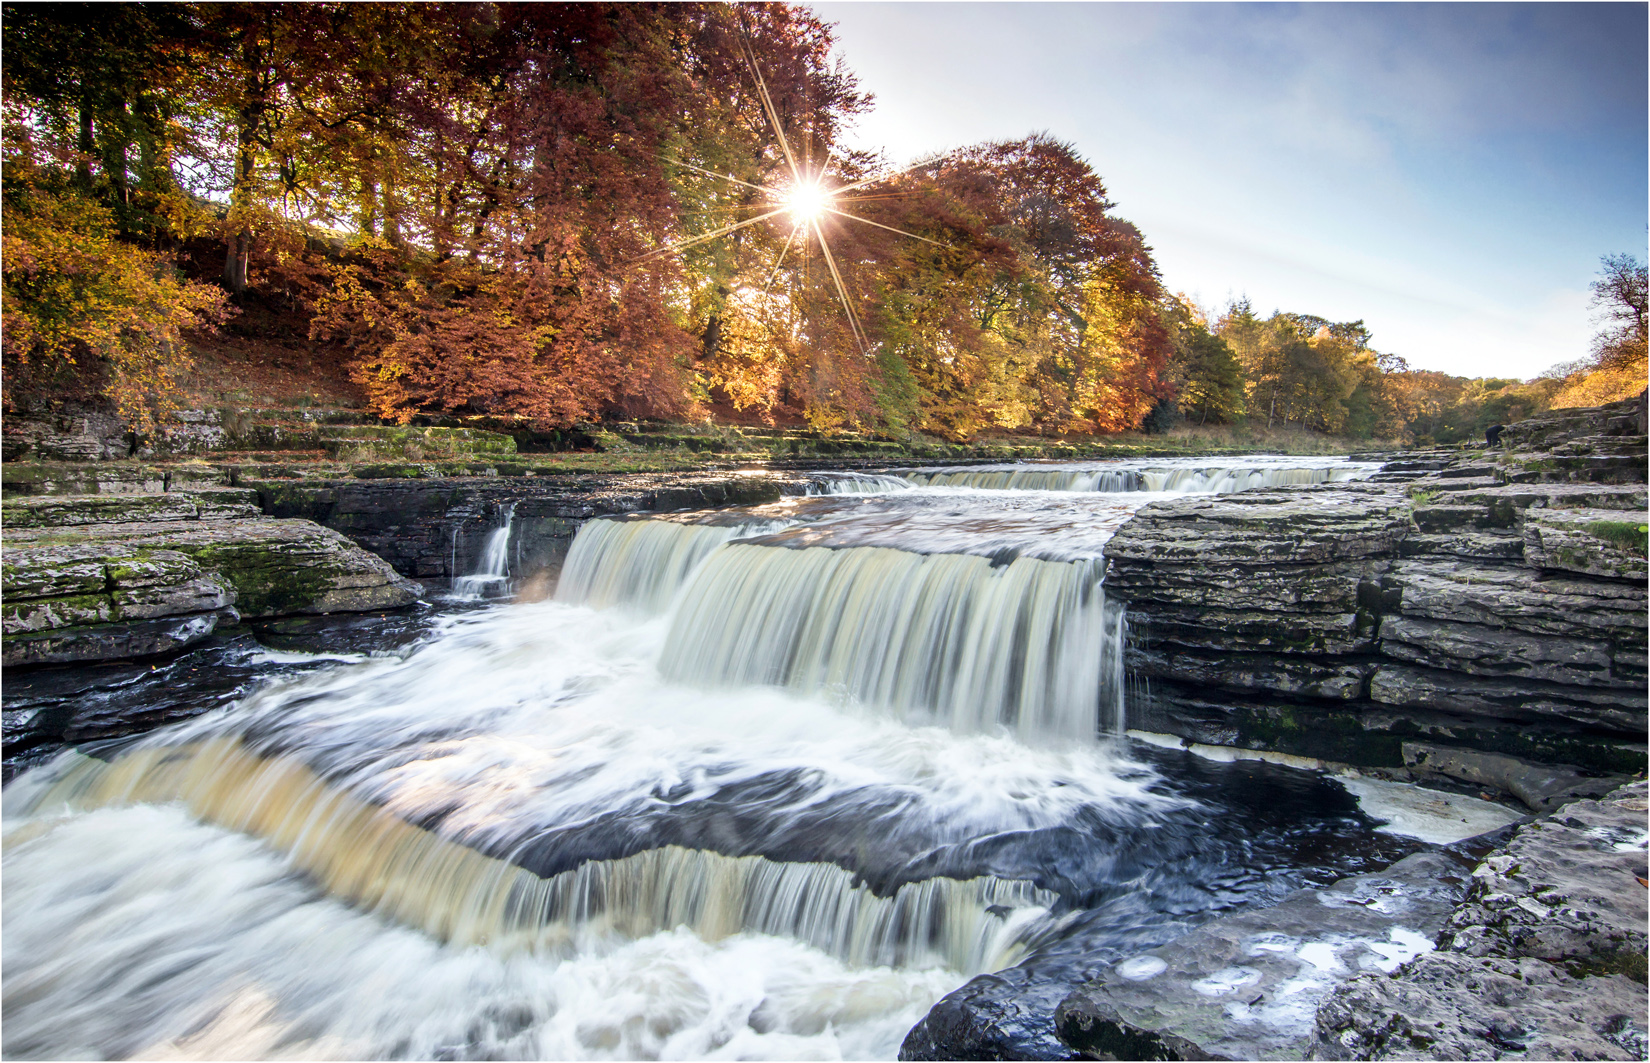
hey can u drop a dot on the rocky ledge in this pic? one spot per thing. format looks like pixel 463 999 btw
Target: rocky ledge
pixel 437 527
pixel 108 578
pixel 1538 952
pixel 1488 630
pixel 1545 958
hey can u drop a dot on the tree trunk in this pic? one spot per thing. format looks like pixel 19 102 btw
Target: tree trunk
pixel 238 245
pixel 85 143
pixel 392 207
pixel 713 337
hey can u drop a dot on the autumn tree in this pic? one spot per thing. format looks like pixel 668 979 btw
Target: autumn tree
pixel 76 296
pixel 1206 374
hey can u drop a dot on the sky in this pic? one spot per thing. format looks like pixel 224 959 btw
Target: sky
pixel 1448 173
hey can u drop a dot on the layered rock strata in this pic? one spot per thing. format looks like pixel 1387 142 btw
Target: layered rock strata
pixel 100 578
pixel 437 527
pixel 1403 625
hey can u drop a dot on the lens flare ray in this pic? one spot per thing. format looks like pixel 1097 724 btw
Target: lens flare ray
pixel 807 198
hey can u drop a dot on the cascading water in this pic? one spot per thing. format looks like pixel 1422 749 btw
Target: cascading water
pixel 1029 646
pixel 856 483
pixel 642 563
pixel 382 864
pixel 755 784
pixel 492 575
pixel 1029 479
pixel 1178 477
pixel 1227 481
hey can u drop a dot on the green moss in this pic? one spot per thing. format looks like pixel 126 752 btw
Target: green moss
pixel 1336 736
pixel 1626 535
pixel 266 582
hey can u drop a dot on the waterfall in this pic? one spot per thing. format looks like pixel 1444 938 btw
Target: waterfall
pixel 1218 480
pixel 1029 646
pixel 856 483
pixel 380 863
pixel 1223 481
pixel 492 574
pixel 1030 478
pixel 642 563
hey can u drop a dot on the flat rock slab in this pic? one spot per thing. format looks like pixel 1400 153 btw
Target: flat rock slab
pixel 57 511
pixel 1545 959
pixel 111 590
pixel 1267 527
pixel 1248 986
pixel 1589 541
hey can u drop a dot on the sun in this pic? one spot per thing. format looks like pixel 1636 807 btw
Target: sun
pixel 807 202
pixel 805 199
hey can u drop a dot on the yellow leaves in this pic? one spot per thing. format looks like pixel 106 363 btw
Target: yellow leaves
pixel 1603 385
pixel 70 287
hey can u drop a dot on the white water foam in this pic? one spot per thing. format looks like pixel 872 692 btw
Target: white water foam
pixel 170 939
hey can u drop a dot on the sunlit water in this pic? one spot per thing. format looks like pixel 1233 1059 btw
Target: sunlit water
pixel 759 784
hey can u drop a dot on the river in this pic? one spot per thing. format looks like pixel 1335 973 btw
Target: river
pixel 755 783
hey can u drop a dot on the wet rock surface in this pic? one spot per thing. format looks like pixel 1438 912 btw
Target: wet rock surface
pixel 49 707
pixel 1544 959
pixel 1248 986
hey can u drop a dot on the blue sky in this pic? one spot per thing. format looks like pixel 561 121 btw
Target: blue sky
pixel 1450 173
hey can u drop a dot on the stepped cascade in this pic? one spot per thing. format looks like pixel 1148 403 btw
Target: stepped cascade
pixel 1179 476
pixel 764 781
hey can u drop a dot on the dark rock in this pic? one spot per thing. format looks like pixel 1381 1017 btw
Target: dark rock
pixel 1247 986
pixel 438 527
pixel 1618 710
pixel 995 1016
pixel 1542 787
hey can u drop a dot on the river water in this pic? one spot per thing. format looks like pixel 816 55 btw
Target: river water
pixel 758 783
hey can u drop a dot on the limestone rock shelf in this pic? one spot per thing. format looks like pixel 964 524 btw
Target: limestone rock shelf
pixel 1535 951
pixel 100 590
pixel 1342 621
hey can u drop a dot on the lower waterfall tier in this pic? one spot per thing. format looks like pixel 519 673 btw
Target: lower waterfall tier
pixel 382 864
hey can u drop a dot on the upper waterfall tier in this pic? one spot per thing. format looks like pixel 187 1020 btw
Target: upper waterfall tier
pixel 1029 646
pixel 642 563
pixel 1175 475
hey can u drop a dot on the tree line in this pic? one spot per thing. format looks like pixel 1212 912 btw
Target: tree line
pixel 575 211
